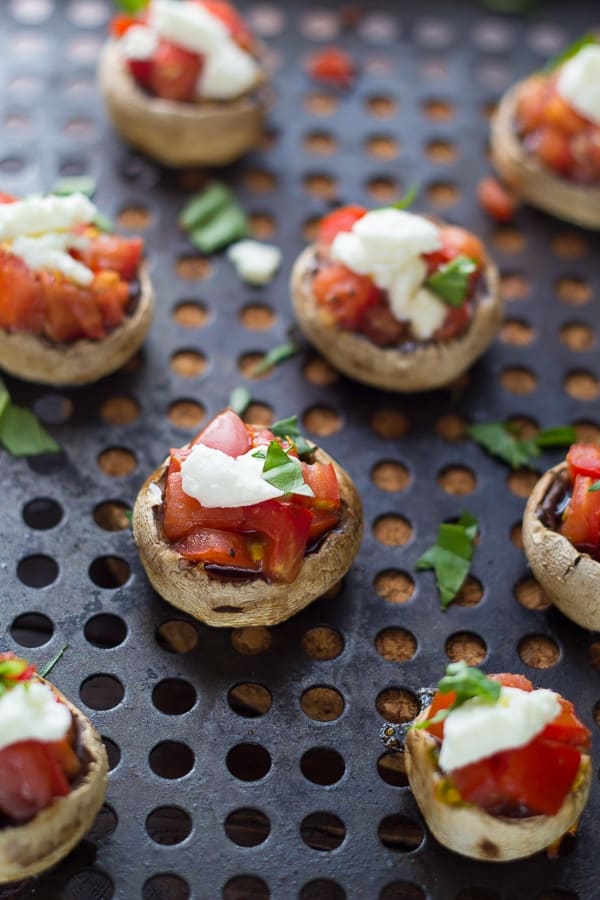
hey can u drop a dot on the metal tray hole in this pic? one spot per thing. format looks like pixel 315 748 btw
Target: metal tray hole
pixel 37 571
pixel 383 188
pixel 105 631
pixel 116 462
pixel 378 28
pixel 102 692
pixel 113 751
pixel 582 385
pixel 249 700
pixel 452 428
pixel 396 644
pixel 171 759
pixel 322 831
pixel 193 268
pixel 188 363
pixel 322 765
pixel 392 530
pixel 176 636
pixel 120 410
pixel 104 825
pixel 109 571
pixel 382 146
pixel 397 705
pixel 573 290
pixel 257 317
pixel 174 696
pixel 538 651
pixel 317 371
pixel 516 535
pixel 514 286
pixel 251 639
pixel 470 594
pixel 518 380
pixel 322 889
pixel 394 586
pixel 391 476
pixel 438 109
pixel 381 106
pixel 48 463
pixel 457 480
pixel 168 825
pixel 262 225
pixel 42 513
pixel 135 218
pixel 521 482
pixel 443 194
pixel 322 421
pixel 322 642
pixel 319 24
pixel 89 883
pixel 577 336
pixel 322 143
pixel 587 432
pixel 191 314
pixel 259 414
pixel 509 240
pixel 569 245
pixel 321 185
pixel 401 834
pixel 390 424
pixel 112 515
pixel 594 655
pixel 165 886
pixel 531 595
pixel 323 704
pixel 392 769
pixel 441 151
pixel 248 762
pixel 402 890
pixel 517 333
pixel 246 887
pixel 247 827
pixel 467 646
pixel 32 630
pixel 320 103
pixel 186 414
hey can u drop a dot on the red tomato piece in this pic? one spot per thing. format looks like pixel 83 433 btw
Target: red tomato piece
pixel 584 459
pixel 183 514
pixel 332 65
pixel 461 242
pixel 21 301
pixel 221 548
pixel 509 679
pixel 339 220
pixel 141 71
pixel 344 295
pixel 112 252
pixel 71 311
pixel 456 322
pixel 531 102
pixel 226 432
pixel 496 200
pixel 29 778
pixel 381 326
pixel 7 198
pixel 175 72
pixel 65 756
pixel 121 23
pixel 581 522
pixel 558 114
pixel 231 18
pixel 554 149
pixel 322 480
pixel 260 437
pixel 111 296
pixel 286 527
pixel 323 521
pixel 567 728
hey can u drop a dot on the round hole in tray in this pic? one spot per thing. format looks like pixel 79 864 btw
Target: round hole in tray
pixel 582 385
pixel 246 887
pixel 322 143
pixel 569 245
pixel 390 475
pixel 396 644
pixel 174 696
pixel 402 890
pixel 457 480
pixel 53 409
pixel 538 651
pixel 397 705
pixel 441 150
pixel 517 333
pixel 381 106
pixel 319 24
pixel 577 336
pixel 522 481
pixel 394 586
pixel 322 765
pixel 322 831
pixel 120 410
pixel 508 239
pixel 110 572
pixel 261 181
pixel 530 594
pixel 177 636
pixel 383 188
pixel 102 692
pixel 248 762
pixel 573 290
pixel 322 889
pixel 516 535
pixel 321 185
pixel 470 594
pixel 467 646
pixel 518 380
pixel 247 827
pixel 191 314
pixel 392 530
pixel 587 432
pixel 37 571
pixel 262 225
pixel 113 751
pixel 116 462
pixel 318 371
pixel 166 886
pixel 188 363
pixel 171 759
pixel 322 421
pixel 438 109
pixel 258 414
pixel 434 33
pixel 322 642
pixel 594 655
pixel 168 825
pixel 390 424
pixel 452 428
pixel 322 704
pixel 42 513
pixel 105 823
pixel 477 893
pixel 443 194
pixel 112 515
pixel 399 833
pixel 321 104
pixel 378 28
pixel 32 629
pixel 392 769
pixel 134 218
pixel 257 317
pixel 514 286
pixel 89 883
pixel 186 414
pixel 249 699
pixel 251 640
pixel 193 268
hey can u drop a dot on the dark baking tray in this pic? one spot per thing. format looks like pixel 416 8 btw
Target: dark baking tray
pixel 429 75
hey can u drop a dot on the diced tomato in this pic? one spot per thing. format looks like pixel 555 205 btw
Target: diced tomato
pixel 141 71
pixel 462 243
pixel 496 200
pixel 339 220
pixel 381 326
pixel 30 778
pixel 581 522
pixel 64 754
pixel 567 728
pixel 456 322
pixel 175 72
pixel 226 432
pixel 322 480
pixel 121 23
pixel 112 252
pixel 286 526
pixel 531 102
pixel 323 521
pixel 553 148
pixel 332 65
pixel 510 679
pixel 183 514
pixel 111 296
pixel 231 18
pixel 21 301
pixel 221 548
pixel 7 198
pixel 260 436
pixel 344 295
pixel 558 114
pixel 584 459
pixel 71 310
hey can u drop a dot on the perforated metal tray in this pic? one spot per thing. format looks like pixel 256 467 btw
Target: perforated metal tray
pixel 313 809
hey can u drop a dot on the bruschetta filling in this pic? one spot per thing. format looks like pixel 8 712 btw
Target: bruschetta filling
pixel 572 505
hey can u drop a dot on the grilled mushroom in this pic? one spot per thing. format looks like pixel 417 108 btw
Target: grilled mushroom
pixel 33 847
pixel 35 358
pixel 474 832
pixel 534 182
pixel 570 578
pixel 422 367
pixel 235 601
pixel 207 133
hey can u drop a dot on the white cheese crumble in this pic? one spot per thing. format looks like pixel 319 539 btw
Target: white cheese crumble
pixel 579 82
pixel 155 494
pixel 30 712
pixel 254 262
pixel 189 25
pixel 476 729
pixel 387 245
pixel 227 73
pixel 49 252
pixel 139 42
pixel 218 480
pixel 37 215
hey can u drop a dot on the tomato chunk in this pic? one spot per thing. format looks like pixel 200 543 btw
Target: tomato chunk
pixel 567 728
pixel 584 459
pixel 175 72
pixel 332 65
pixel 581 523
pixel 221 548
pixel 339 220
pixel 463 243
pixel 226 432
pixel 286 526
pixel 183 514
pixel 231 18
pixel 29 778
pixel 344 295
pixel 21 301
pixel 496 200
pixel 110 251
pixel 322 480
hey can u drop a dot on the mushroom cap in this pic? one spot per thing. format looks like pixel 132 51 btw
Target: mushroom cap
pixel 423 367
pixel 33 847
pixel 534 182
pixel 35 358
pixel 178 134
pixel 570 578
pixel 473 832
pixel 232 602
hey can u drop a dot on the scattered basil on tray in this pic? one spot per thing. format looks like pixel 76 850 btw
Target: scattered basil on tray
pixel 239 399
pixel 45 670
pixel 213 219
pixel 450 557
pixel 274 357
pixel 21 432
pixel 75 184
pixel 502 439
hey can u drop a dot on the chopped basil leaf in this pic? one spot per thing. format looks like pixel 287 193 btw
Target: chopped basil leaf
pixel 451 281
pixel 500 439
pixel 571 51
pixel 409 197
pixel 50 665
pixel 288 430
pixel 283 471
pixel 10 670
pixel 131 6
pixel 203 206
pixel 467 683
pixel 103 222
pixel 76 184
pixel 21 432
pixel 274 357
pixel 450 557
pixel 594 487
pixel 4 398
pixel 239 399
pixel 228 225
